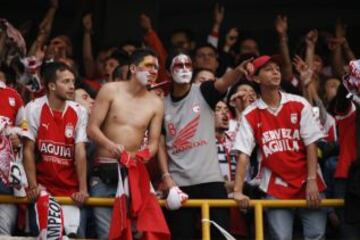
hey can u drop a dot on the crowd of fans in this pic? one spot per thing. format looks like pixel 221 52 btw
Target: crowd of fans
pixel 211 120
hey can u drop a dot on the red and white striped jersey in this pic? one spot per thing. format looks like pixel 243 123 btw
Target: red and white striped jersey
pixel 55 134
pixel 282 136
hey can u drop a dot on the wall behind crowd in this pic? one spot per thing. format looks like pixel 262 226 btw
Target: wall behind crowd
pixel 117 21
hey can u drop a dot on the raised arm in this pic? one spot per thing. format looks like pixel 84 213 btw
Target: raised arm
pixel 97 117
pixel 44 28
pixel 281 27
pixel 153 41
pixel 231 77
pixel 310 39
pixel 213 37
pixel 88 58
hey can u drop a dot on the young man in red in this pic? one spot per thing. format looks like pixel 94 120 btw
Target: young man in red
pixel 11 115
pixel 57 132
pixel 284 128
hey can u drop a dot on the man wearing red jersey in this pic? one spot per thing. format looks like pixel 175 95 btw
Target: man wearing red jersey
pixel 57 132
pixel 11 115
pixel 284 128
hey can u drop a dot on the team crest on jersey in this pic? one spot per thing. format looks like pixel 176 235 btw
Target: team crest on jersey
pixel 69 130
pixel 196 108
pixel 293 118
pixel 12 101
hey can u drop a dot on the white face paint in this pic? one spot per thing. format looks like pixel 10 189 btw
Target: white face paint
pixel 143 77
pixel 181 69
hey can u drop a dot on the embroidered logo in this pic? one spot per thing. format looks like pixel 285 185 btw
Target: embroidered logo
pixel 12 101
pixel 69 130
pixel 293 118
pixel 196 108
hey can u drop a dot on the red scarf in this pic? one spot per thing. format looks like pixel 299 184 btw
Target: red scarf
pixel 144 208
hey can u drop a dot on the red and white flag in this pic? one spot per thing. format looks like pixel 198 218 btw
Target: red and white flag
pixel 49 217
pixel 142 216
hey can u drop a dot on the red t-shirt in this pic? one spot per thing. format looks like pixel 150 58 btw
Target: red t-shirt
pixel 55 134
pixel 282 137
pixel 347 141
pixel 11 106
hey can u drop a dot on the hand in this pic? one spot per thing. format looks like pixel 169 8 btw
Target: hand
pixel 306 73
pixel 242 200
pixel 246 68
pixel 340 29
pixel 15 141
pixel 281 25
pixel 87 22
pixel 218 14
pixel 335 43
pixel 145 23
pixel 311 37
pixel 115 149
pixel 80 197
pixel 312 194
pixel 33 192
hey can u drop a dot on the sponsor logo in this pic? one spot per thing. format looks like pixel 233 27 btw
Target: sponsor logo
pixel 182 140
pixel 56 149
pixel 280 140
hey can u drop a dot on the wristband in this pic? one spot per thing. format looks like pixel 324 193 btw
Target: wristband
pixel 310 178
pixel 165 174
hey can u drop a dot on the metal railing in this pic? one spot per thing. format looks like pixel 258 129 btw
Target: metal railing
pixel 205 205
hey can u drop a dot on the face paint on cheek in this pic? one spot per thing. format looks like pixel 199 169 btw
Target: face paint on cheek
pixel 143 77
pixel 181 69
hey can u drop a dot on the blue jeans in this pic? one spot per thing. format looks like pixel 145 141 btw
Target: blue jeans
pixel 280 222
pixel 102 215
pixel 347 231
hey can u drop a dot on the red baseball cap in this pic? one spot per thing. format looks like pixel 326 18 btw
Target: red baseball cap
pixel 262 61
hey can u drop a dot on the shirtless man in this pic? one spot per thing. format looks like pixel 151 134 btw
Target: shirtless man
pixel 123 111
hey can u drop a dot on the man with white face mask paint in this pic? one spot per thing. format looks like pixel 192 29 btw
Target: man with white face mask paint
pixel 122 112
pixel 187 151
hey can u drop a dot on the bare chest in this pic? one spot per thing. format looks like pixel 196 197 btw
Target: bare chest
pixel 132 113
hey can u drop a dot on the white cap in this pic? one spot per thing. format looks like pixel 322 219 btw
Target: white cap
pixel 175 198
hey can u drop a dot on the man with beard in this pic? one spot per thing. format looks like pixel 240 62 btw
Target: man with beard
pixel 189 141
pixel 57 131
pixel 122 113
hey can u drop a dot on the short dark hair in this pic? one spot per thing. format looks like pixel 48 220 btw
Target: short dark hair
pixel 188 33
pixel 205 45
pixel 140 54
pixel 234 90
pixel 199 70
pixel 49 70
pixel 172 54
